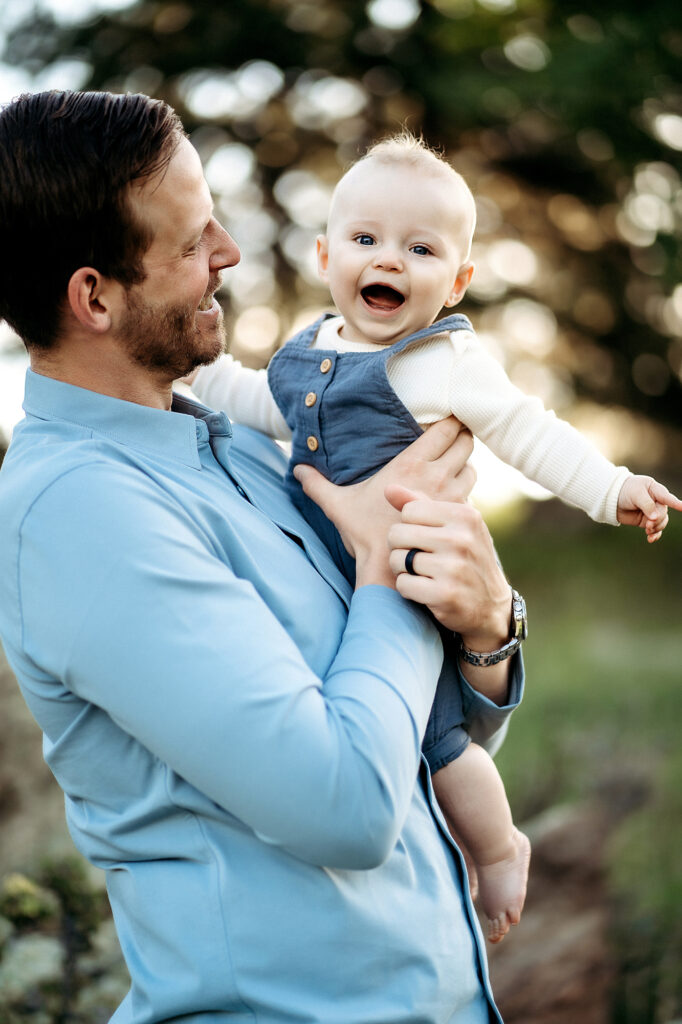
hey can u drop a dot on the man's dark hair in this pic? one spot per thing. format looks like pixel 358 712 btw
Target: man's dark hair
pixel 66 161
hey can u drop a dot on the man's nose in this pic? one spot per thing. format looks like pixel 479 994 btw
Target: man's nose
pixel 225 251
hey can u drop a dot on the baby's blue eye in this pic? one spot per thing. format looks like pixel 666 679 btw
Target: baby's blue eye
pixel 421 250
pixel 364 239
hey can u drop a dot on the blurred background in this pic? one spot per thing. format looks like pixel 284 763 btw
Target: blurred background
pixel 566 121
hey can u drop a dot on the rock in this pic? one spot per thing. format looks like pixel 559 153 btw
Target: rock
pixel 29 963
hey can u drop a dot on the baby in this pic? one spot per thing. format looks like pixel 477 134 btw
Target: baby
pixel 352 390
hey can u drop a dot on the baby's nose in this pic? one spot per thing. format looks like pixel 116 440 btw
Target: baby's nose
pixel 388 258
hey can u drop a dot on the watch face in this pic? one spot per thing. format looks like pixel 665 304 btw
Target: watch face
pixel 520 622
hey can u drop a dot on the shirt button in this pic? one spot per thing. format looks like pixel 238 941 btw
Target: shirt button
pixel 310 399
pixel 325 366
pixel 313 443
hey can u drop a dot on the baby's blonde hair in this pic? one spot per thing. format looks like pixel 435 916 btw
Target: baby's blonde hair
pixel 406 148
pixel 410 150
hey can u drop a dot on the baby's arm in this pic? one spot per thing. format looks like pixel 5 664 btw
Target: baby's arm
pixel 243 393
pixel 644 502
pixel 518 429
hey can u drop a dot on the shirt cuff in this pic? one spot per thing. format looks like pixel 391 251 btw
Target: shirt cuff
pixel 478 703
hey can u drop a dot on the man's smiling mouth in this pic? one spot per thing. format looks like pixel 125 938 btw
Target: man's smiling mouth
pixel 382 297
pixel 207 302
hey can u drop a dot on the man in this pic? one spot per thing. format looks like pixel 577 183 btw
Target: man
pixel 237 735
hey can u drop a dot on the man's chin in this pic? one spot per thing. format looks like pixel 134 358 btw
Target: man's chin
pixel 210 352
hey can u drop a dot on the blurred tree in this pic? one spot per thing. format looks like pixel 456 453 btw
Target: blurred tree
pixel 568 126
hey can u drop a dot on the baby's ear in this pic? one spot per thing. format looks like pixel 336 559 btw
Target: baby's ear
pixel 322 256
pixel 464 275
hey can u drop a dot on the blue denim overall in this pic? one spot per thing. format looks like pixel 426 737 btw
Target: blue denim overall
pixel 347 421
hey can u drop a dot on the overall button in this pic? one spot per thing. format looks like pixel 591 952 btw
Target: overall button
pixel 325 365
pixel 313 443
pixel 310 399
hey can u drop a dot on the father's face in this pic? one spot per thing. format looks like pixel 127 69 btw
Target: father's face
pixel 173 322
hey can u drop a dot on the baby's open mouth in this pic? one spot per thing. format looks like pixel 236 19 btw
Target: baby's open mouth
pixel 382 297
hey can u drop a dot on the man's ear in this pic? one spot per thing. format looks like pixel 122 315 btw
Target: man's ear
pixel 89 299
pixel 322 257
pixel 464 275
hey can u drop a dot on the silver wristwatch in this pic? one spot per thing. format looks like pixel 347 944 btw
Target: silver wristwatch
pixel 518 631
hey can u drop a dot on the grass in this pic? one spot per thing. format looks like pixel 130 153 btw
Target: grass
pixel 604 667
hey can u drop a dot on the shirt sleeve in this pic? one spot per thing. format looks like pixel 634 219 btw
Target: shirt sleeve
pixel 521 432
pixel 137 614
pixel 243 393
pixel 487 722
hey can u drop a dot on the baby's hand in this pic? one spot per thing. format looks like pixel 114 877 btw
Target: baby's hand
pixel 644 502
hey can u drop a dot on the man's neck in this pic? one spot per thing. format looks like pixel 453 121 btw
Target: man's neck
pixel 105 372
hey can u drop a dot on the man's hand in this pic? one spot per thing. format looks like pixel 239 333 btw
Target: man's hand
pixel 434 465
pixel 457 576
pixel 456 573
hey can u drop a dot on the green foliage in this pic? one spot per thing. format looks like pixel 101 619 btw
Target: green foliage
pixel 601 711
pixel 25 903
pixel 83 907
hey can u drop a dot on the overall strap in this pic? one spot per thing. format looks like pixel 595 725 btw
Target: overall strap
pixel 454 322
pixel 305 338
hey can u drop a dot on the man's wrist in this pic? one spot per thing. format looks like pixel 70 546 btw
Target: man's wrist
pixel 491 651
pixel 373 569
pixel 495 631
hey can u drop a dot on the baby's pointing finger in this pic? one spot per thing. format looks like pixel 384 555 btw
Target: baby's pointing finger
pixel 663 495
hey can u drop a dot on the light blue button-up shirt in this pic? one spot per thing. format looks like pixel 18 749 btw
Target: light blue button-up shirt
pixel 237 734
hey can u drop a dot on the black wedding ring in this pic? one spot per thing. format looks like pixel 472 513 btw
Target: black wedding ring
pixel 409 561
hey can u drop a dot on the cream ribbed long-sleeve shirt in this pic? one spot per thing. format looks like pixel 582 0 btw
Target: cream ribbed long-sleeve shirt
pixel 449 373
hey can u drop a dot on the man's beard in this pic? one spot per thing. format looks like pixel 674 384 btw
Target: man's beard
pixel 166 338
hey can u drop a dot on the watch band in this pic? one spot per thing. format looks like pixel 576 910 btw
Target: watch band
pixel 518 632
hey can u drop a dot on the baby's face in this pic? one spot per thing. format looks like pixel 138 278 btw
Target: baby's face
pixel 395 250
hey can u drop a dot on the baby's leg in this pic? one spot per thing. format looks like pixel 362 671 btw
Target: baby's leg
pixel 472 797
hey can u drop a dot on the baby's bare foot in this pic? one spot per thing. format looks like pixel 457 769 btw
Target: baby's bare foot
pixel 502 887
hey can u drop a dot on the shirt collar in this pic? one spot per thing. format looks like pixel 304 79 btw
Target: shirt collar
pixel 174 434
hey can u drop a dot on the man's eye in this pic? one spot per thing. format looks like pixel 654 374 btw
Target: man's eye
pixel 420 250
pixel 364 239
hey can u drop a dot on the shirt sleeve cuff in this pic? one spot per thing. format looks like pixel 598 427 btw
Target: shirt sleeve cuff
pixel 488 721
